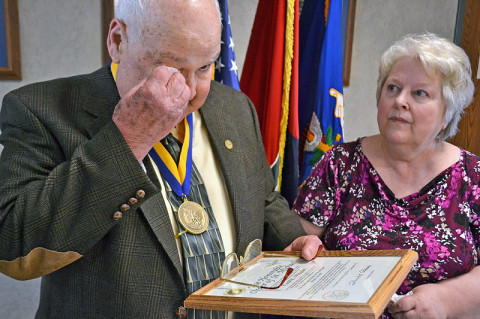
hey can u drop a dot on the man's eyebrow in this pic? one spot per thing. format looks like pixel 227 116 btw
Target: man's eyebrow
pixel 170 56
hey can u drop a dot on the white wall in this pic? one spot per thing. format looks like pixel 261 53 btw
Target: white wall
pixel 62 37
pixel 242 14
pixel 58 38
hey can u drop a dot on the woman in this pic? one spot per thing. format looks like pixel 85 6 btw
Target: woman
pixel 407 187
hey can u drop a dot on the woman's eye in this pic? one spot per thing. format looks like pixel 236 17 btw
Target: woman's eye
pixel 392 88
pixel 420 93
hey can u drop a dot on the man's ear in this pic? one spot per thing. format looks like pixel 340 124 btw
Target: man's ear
pixel 117 37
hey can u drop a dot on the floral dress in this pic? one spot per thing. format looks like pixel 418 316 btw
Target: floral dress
pixel 345 194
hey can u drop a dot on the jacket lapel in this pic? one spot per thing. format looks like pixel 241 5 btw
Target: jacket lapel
pixel 221 127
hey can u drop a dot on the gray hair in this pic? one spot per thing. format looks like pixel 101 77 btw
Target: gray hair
pixel 136 14
pixel 438 56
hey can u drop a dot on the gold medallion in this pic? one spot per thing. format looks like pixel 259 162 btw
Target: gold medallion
pixel 193 217
pixel 234 291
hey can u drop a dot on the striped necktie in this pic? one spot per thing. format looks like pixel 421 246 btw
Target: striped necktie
pixel 203 254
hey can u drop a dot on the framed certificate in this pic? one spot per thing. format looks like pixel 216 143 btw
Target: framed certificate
pixel 337 284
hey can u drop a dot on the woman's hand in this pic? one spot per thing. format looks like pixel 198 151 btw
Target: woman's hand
pixel 426 302
pixel 457 297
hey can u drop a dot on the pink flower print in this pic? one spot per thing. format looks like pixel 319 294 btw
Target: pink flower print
pixel 396 208
pixel 365 177
pixel 338 195
pixel 388 224
pixel 426 265
pixel 445 203
pixel 444 253
pixel 457 175
pixel 406 286
pixel 432 246
pixel 417 230
pixel 474 220
pixel 476 192
pixel 450 194
pixel 349 240
pixel 440 275
pixel 469 237
pixel 453 184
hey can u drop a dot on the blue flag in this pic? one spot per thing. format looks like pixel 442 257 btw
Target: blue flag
pixel 226 70
pixel 3 39
pixel 320 83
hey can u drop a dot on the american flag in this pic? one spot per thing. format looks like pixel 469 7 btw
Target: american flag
pixel 226 70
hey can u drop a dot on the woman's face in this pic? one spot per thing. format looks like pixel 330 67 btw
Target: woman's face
pixel 411 106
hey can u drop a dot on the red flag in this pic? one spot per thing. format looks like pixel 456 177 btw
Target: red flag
pixel 270 79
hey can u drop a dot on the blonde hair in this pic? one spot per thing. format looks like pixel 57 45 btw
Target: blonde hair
pixel 441 57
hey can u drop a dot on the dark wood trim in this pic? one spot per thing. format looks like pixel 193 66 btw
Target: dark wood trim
pixel 468 136
pixel 107 16
pixel 13 71
pixel 349 42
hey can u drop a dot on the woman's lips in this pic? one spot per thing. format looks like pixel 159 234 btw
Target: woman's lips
pixel 398 119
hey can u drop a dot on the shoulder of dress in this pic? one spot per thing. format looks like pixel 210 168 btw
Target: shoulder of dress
pixel 471 163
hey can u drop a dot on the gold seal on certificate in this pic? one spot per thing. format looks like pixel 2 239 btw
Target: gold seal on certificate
pixel 193 217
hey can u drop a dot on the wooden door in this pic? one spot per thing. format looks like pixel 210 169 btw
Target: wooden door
pixel 468 136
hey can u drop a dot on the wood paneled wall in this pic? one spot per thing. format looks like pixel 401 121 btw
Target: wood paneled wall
pixel 468 136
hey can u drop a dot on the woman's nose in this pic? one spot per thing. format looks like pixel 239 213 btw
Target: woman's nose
pixel 402 100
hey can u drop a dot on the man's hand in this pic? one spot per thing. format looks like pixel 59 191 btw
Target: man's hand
pixel 150 110
pixel 307 244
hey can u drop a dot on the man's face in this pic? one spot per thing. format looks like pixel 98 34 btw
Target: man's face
pixel 188 39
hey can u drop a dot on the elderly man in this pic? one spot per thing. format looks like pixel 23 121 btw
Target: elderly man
pixel 119 224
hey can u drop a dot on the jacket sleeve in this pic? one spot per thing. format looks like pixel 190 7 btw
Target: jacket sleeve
pixel 281 226
pixel 56 203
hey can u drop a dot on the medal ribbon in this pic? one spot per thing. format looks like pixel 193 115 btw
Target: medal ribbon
pixel 178 177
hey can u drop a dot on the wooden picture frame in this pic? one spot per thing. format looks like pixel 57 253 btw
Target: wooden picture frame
pixel 467 35
pixel 377 301
pixel 10 66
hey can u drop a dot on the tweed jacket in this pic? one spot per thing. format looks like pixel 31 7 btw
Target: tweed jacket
pixel 66 170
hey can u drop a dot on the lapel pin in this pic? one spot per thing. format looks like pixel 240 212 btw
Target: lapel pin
pixel 228 144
